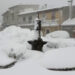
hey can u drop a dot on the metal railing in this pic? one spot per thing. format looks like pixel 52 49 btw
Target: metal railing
pixel 44 22
pixel 50 22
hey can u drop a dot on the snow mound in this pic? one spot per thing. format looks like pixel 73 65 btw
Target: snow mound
pixel 58 43
pixel 13 40
pixel 16 32
pixel 69 22
pixel 4 59
pixel 59 58
pixel 58 34
pixel 33 55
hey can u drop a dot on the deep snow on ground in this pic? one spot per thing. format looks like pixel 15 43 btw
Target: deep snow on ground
pixel 58 53
pixel 59 58
pixel 4 59
pixel 30 67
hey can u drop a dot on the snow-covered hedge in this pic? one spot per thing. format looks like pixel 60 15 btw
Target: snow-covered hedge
pixel 58 34
pixel 13 40
pixel 14 48
pixel 58 43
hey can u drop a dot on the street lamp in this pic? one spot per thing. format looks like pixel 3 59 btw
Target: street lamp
pixel 38 43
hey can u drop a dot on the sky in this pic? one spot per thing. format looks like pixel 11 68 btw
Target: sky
pixel 5 4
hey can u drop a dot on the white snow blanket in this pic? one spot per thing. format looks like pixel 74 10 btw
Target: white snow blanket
pixel 4 59
pixel 58 34
pixel 31 67
pixel 59 58
pixel 55 43
pixel 13 42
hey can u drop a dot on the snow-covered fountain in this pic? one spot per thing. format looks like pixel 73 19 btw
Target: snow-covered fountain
pixel 37 43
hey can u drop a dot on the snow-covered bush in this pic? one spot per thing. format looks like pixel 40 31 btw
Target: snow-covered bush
pixel 58 43
pixel 58 34
pixel 13 40
pixel 59 58
pixel 4 59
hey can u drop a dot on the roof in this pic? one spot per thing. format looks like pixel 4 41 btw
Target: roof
pixel 69 22
pixel 27 12
pixel 58 3
pixel 39 10
pixel 55 7
pixel 23 5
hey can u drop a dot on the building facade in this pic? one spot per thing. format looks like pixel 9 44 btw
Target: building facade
pixel 25 15
pixel 69 22
pixel 11 17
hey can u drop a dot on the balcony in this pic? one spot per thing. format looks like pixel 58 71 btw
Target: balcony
pixel 50 22
pixel 44 23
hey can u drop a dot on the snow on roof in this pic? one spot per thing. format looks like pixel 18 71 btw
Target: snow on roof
pixel 58 3
pixel 69 22
pixel 39 10
pixel 27 12
pixel 50 5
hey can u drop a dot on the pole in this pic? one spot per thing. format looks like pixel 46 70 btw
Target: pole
pixel 39 26
pixel 70 8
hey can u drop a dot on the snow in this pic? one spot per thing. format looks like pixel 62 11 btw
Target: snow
pixel 27 12
pixel 69 22
pixel 56 43
pixel 31 67
pixel 58 39
pixel 59 58
pixel 13 41
pixel 4 59
pixel 25 67
pixel 58 53
pixel 32 54
pixel 58 34
pixel 50 5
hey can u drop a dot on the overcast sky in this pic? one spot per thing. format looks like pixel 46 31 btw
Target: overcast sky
pixel 5 4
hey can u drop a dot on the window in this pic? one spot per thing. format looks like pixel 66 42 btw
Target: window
pixel 24 19
pixel 53 15
pixel 47 31
pixel 30 19
pixel 7 18
pixel 43 15
pixel 12 16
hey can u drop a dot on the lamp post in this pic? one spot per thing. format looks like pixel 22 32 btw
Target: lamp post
pixel 38 43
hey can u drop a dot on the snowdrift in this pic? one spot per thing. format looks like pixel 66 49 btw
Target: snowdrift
pixel 58 43
pixel 14 47
pixel 59 58
pixel 58 34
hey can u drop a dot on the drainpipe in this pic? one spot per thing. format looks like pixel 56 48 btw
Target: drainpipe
pixel 70 14
pixel 70 8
